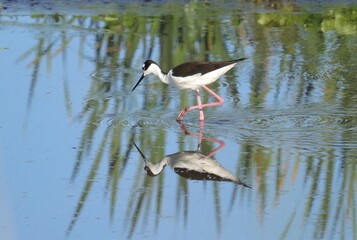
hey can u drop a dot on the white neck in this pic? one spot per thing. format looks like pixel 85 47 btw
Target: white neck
pixel 156 168
pixel 161 75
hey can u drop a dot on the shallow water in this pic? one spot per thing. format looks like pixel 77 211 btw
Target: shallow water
pixel 69 169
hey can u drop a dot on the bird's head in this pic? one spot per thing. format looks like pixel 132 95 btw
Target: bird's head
pixel 148 67
pixel 152 169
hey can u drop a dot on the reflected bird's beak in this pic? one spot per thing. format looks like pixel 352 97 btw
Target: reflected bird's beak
pixel 152 170
pixel 141 78
pixel 141 153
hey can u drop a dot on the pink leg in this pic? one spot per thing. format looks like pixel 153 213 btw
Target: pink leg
pixel 202 137
pixel 202 116
pixel 200 105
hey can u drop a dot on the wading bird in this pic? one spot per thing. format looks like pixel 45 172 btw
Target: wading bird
pixel 193 164
pixel 191 75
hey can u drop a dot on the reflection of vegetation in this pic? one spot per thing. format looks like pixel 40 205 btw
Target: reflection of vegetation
pixel 341 20
pixel 301 51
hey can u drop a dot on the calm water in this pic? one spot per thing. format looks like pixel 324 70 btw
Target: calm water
pixel 288 128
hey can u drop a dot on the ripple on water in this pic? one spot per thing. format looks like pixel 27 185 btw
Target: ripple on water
pixel 142 119
pixel 304 127
pixel 299 122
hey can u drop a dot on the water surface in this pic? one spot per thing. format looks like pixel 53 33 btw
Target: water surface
pixel 69 169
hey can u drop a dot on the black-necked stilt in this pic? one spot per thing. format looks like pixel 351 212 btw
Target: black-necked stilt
pixel 193 164
pixel 191 75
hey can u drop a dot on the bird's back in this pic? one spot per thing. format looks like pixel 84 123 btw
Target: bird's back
pixel 193 68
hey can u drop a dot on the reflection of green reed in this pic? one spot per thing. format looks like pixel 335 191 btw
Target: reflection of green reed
pixel 197 33
pixel 109 46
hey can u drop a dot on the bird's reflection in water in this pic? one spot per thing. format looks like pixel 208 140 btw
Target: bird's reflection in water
pixel 193 164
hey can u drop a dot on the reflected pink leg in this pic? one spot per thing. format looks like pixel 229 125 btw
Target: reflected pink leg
pixel 200 105
pixel 202 137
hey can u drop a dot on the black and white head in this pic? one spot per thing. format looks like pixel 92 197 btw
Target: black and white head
pixel 148 67
pixel 152 169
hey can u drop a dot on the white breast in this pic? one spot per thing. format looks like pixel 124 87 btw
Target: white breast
pixel 189 82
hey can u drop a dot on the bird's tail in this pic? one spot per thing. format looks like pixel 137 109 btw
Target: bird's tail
pixel 240 59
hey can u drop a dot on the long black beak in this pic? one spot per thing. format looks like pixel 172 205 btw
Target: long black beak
pixel 141 78
pixel 141 153
pixel 146 168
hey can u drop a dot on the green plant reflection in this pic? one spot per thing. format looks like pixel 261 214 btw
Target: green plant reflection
pixel 298 58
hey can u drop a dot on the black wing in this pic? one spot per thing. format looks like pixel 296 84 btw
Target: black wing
pixel 192 68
